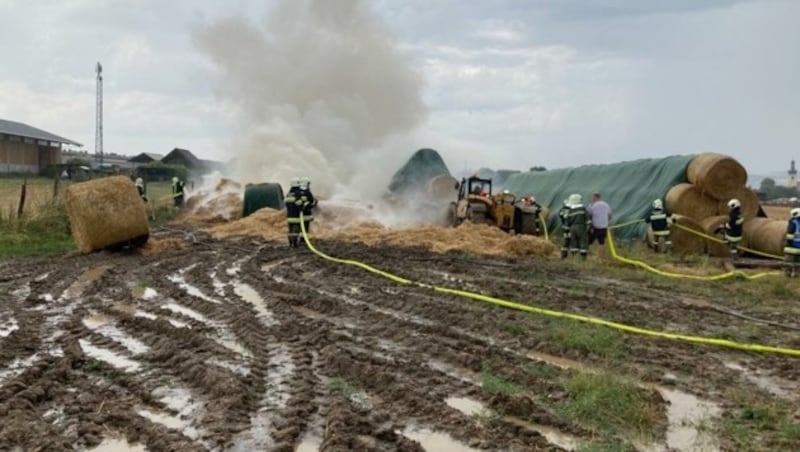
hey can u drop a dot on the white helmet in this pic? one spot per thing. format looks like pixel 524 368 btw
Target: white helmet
pixel 294 182
pixel 657 204
pixel 734 203
pixel 795 213
pixel 175 180
pixel 139 182
pixel 575 199
pixel 305 183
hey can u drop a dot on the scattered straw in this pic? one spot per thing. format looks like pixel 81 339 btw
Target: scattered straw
pixel 155 245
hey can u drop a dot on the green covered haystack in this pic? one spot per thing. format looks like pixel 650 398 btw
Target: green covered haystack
pixel 258 196
pixel 628 187
pixel 415 174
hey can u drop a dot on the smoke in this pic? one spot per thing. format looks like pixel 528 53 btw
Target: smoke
pixel 320 90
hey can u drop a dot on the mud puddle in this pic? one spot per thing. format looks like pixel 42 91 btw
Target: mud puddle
pixel 102 324
pixel 78 287
pixel 8 327
pixel 458 373
pixel 144 293
pixel 309 443
pixel 109 357
pixel 472 407
pixel 190 289
pixel 191 313
pixel 22 292
pixel 685 412
pixel 250 295
pixel 434 441
pixel 151 316
pixel 771 385
pixel 117 445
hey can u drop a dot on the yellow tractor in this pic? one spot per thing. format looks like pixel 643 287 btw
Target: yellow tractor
pixel 478 204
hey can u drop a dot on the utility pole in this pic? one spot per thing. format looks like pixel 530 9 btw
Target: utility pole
pixel 98 134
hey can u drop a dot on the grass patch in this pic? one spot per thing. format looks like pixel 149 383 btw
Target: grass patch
pixel 605 447
pixel 497 385
pixel 585 338
pixel 543 371
pixel 760 422
pixel 612 406
pixel 513 329
pixel 44 232
pixel 342 387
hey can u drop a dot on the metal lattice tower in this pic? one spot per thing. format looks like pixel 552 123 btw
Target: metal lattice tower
pixel 98 134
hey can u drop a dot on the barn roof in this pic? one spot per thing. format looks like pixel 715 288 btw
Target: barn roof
pixel 26 131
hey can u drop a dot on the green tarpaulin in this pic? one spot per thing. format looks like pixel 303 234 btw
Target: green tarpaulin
pixel 415 174
pixel 628 187
pixel 258 196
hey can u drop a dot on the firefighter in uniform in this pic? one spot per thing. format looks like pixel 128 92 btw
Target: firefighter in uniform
pixel 293 208
pixel 177 191
pixel 563 213
pixel 733 227
pixel 140 188
pixel 579 222
pixel 307 202
pixel 659 221
pixel 791 250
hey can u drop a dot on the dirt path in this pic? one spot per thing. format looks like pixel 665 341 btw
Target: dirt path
pixel 244 345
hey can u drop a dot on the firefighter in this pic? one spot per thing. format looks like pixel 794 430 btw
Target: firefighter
pixel 178 191
pixel 659 221
pixel 140 188
pixel 563 213
pixel 293 208
pixel 732 229
pixel 791 250
pixel 579 223
pixel 307 202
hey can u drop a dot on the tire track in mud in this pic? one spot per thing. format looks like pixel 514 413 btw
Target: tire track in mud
pixel 261 347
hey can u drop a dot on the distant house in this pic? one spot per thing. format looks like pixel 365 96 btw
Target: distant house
pixel 145 157
pixel 26 149
pixel 185 157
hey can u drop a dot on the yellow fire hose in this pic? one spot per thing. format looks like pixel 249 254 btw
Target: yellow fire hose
pixel 552 313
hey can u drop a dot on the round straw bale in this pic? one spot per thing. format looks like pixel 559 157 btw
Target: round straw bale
pixel 710 225
pixel 442 186
pixel 716 174
pixel 768 237
pixel 750 229
pixel 685 242
pixel 688 200
pixel 106 212
pixel 746 197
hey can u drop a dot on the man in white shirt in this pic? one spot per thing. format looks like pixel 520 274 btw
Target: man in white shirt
pixel 601 217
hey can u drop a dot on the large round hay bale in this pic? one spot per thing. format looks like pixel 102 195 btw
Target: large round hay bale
pixel 688 200
pixel 710 225
pixel 106 212
pixel 258 196
pixel 716 174
pixel 748 199
pixel 442 186
pixel 750 229
pixel 769 237
pixel 686 242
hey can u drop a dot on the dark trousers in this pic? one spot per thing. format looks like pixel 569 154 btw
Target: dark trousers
pixel 294 234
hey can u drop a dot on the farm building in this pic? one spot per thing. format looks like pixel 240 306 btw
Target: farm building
pixel 185 157
pixel 26 149
pixel 145 158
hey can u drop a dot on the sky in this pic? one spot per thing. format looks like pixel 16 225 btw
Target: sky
pixel 501 83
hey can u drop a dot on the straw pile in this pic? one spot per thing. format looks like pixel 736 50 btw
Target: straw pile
pixel 715 179
pixel 106 212
pixel 221 204
pixel 270 224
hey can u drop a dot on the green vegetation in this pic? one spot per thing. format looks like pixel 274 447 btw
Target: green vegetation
pixel 611 446
pixel 758 413
pixel 612 406
pixel 497 385
pixel 603 342
pixel 342 387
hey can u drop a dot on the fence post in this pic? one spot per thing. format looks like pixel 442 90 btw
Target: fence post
pixel 22 199
pixel 55 186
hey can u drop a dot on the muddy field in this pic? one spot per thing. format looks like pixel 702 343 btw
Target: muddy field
pixel 243 344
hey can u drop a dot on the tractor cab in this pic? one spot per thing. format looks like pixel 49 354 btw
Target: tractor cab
pixel 477 203
pixel 475 186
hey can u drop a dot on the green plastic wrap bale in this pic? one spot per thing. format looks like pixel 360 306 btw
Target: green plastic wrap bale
pixel 423 166
pixel 258 196
pixel 628 187
pixel 105 213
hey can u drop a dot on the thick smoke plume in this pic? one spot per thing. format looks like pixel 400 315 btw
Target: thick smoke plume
pixel 320 88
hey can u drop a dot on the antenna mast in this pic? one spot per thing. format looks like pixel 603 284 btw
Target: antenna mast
pixel 98 135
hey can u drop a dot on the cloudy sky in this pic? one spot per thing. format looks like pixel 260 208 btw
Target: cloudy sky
pixel 504 83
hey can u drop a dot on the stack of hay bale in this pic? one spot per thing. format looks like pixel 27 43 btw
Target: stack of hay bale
pixel 702 205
